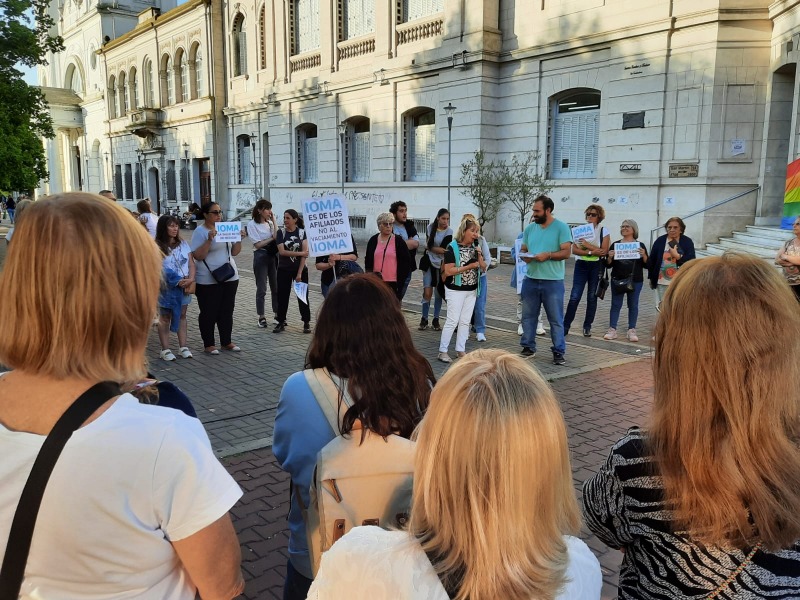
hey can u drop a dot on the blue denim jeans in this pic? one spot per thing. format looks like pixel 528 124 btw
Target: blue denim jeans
pixel 586 274
pixel 295 586
pixel 402 286
pixel 633 306
pixel 550 294
pixel 479 316
pixel 430 278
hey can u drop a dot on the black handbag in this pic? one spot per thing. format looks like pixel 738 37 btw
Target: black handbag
pixel 225 272
pixel 622 286
pixel 24 522
pixel 602 285
pixel 272 247
pixel 425 262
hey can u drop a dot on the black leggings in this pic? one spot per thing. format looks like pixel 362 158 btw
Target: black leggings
pixel 285 287
pixel 216 302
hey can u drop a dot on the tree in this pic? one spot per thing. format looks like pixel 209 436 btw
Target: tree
pixel 24 117
pixel 482 183
pixel 523 182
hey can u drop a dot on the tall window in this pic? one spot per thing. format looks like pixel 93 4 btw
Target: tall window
pixel 172 192
pixel 419 141
pixel 133 84
pixel 149 87
pixel 306 25
pixel 139 182
pixel 168 93
pixel 239 45
pixel 358 18
pixel 417 9
pixel 575 135
pixel 123 94
pixel 74 80
pixel 128 181
pixel 307 169
pixel 262 35
pixel 118 191
pixel 184 63
pixel 112 98
pixel 243 158
pixel 197 77
pixel 357 150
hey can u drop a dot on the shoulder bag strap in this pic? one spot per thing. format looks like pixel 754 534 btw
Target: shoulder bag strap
pixel 19 538
pixel 385 248
pixel 227 246
pixel 326 393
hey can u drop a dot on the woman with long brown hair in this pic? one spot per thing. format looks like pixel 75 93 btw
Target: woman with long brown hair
pixel 706 501
pixel 363 341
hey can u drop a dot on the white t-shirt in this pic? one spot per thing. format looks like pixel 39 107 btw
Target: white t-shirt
pixel 149 220
pixel 258 232
pixel 124 486
pixel 370 562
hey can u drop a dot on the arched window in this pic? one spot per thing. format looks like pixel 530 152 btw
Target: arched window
pixel 243 159
pixel 262 37
pixel 168 92
pixel 419 145
pixel 305 23
pixel 133 84
pixel 307 169
pixel 123 94
pixel 358 18
pixel 196 71
pixel 74 80
pixel 149 87
pixel 183 61
pixel 357 149
pixel 239 46
pixel 575 134
pixel 112 97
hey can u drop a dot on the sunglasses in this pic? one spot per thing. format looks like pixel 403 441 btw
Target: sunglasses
pixel 591 214
pixel 215 212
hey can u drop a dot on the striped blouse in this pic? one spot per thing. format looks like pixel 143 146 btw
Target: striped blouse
pixel 624 507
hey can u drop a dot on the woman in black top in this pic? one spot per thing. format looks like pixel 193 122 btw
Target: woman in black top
pixel 627 278
pixel 293 252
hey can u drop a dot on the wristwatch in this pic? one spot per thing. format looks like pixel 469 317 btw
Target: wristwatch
pixel 590 252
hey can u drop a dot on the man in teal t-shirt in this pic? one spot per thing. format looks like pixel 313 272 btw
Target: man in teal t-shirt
pixel 547 243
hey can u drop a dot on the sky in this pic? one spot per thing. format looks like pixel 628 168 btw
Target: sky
pixel 28 74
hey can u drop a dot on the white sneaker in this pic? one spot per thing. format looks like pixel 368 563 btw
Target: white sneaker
pixel 185 352
pixel 444 357
pixel 632 337
pixel 519 329
pixel 167 355
pixel 540 330
pixel 611 334
pixel 481 337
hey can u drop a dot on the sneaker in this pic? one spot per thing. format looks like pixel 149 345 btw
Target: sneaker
pixel 167 355
pixel 611 334
pixel 632 337
pixel 587 332
pixel 278 328
pixel 232 348
pixel 306 328
pixel 262 322
pixel 423 324
pixel 527 352
pixel 461 354
pixel 185 352
pixel 539 330
pixel 444 357
pixel 519 329
pixel 481 337
pixel 211 350
pixel 558 359
pixel 435 325
pixel 275 320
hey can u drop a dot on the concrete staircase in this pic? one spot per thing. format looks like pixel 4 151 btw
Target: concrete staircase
pixel 756 241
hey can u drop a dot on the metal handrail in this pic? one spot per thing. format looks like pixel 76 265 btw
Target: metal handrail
pixel 702 210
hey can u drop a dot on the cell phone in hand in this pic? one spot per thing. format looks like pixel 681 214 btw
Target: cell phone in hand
pixel 673 243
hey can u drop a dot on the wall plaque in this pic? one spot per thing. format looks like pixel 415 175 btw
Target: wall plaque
pixel 683 170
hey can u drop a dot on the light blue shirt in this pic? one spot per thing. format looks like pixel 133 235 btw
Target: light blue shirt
pixel 546 239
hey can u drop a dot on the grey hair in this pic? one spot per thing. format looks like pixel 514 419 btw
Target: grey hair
pixel 384 217
pixel 633 225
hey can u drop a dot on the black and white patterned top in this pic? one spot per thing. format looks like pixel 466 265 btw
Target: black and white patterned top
pixel 624 507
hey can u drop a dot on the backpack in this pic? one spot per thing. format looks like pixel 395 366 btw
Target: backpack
pixel 354 483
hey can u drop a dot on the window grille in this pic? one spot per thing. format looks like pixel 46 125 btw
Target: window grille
pixel 420 146
pixel 358 18
pixel 307 169
pixel 307 26
pixel 262 31
pixel 575 136
pixel 198 73
pixel 358 221
pixel 417 9
pixel 184 78
pixel 128 182
pixel 239 42
pixel 243 152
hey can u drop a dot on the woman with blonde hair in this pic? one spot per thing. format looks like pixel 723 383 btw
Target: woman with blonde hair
pixel 706 501
pixel 137 504
pixel 493 510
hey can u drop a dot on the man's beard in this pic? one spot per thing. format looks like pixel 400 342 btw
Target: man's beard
pixel 540 220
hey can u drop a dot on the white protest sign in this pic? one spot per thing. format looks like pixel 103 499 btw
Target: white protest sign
pixel 230 232
pixel 327 225
pixel 626 251
pixel 521 266
pixel 582 232
pixel 301 291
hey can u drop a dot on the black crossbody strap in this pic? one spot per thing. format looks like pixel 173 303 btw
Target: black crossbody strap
pixel 19 538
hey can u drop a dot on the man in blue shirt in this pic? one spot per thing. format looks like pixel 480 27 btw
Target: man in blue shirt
pixel 546 244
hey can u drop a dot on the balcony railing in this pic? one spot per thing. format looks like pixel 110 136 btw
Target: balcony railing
pixel 356 47
pixel 302 62
pixel 420 29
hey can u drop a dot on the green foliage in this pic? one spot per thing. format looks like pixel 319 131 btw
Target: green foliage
pixel 24 117
pixel 482 183
pixel 523 182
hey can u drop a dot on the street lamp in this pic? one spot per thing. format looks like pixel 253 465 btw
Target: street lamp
pixel 449 110
pixel 140 173
pixel 253 162
pixel 342 130
pixel 187 172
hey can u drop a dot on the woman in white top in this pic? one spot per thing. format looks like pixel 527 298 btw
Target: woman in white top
pixel 261 230
pixel 494 510
pixel 137 505
pixel 588 269
pixel 146 216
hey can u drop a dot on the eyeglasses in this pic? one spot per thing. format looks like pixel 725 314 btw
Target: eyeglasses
pixel 674 227
pixel 624 226
pixel 215 212
pixel 591 214
pixel 382 223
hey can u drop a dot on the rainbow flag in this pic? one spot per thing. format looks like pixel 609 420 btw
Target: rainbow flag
pixel 791 197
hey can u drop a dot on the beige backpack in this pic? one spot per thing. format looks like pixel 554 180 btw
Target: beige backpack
pixel 354 483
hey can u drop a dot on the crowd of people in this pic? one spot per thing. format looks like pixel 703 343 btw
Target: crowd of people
pixel 703 499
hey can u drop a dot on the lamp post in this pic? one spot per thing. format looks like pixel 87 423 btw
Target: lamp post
pixel 449 110
pixel 253 162
pixel 188 172
pixel 109 185
pixel 342 130
pixel 140 173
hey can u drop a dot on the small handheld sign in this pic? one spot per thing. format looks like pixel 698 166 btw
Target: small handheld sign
pixel 626 251
pixel 582 232
pixel 230 232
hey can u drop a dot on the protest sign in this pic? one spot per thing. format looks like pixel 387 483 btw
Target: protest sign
pixel 626 251
pixel 327 225
pixel 230 232
pixel 521 266
pixel 582 232
pixel 301 291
